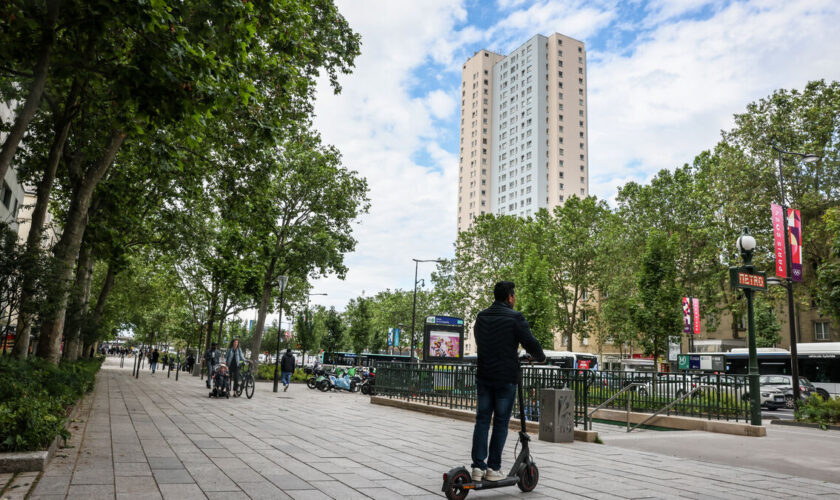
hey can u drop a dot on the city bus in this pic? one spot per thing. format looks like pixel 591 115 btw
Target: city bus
pixel 819 362
pixel 568 359
pixel 350 358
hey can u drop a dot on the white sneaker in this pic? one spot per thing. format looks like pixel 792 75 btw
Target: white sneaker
pixel 493 475
pixel 477 474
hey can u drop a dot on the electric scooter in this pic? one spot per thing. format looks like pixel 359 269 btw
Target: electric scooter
pixel 457 483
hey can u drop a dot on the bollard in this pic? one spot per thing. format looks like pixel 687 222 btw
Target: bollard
pixel 557 415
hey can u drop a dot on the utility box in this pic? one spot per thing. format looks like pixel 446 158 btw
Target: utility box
pixel 557 415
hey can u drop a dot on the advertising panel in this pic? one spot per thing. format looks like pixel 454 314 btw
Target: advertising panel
pixel 779 239
pixel 443 339
pixel 795 238
pixel 444 344
pixel 695 310
pixel 686 307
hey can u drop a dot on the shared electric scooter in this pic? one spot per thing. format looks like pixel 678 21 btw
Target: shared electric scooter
pixel 457 483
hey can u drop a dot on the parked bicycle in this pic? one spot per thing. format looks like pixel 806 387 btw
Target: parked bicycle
pixel 246 378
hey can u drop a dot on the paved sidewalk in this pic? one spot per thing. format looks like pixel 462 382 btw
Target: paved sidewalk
pixel 158 438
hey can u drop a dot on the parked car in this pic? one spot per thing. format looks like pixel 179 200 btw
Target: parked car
pixel 785 384
pixel 772 397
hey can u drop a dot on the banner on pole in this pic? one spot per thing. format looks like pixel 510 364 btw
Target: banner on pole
pixel 795 238
pixel 390 337
pixel 396 337
pixel 686 306
pixel 251 326
pixel 695 310
pixel 779 239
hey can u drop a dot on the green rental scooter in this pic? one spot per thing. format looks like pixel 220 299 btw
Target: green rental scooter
pixel 457 483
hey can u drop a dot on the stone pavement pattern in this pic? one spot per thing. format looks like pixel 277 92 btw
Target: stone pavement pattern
pixel 158 438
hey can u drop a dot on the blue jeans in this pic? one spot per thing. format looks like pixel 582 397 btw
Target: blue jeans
pixel 154 366
pixel 286 377
pixel 496 400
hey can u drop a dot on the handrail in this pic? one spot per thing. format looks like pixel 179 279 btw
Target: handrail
pixel 617 394
pixel 669 405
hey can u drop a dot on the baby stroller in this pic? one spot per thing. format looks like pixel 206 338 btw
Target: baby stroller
pixel 221 382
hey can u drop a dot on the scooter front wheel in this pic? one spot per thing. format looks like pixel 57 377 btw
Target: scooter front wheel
pixel 455 489
pixel 528 478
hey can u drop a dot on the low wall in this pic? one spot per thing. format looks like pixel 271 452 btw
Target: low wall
pixel 684 423
pixel 532 427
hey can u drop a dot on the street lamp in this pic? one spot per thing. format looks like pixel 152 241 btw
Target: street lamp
pixel 794 358
pixel 414 307
pixel 281 282
pixel 746 246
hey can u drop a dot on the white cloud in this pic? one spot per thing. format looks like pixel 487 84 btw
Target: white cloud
pixel 379 126
pixel 653 104
pixel 667 100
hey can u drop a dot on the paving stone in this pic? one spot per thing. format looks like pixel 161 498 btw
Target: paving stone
pixel 172 476
pixel 132 469
pixel 88 491
pixel 263 490
pixel 181 491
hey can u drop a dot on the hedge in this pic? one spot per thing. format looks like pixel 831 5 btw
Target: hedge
pixel 266 372
pixel 818 410
pixel 35 396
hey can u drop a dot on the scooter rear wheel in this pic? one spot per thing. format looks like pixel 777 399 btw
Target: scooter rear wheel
pixel 455 489
pixel 528 478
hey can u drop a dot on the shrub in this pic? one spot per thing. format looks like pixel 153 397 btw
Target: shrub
pixel 34 399
pixel 266 372
pixel 817 410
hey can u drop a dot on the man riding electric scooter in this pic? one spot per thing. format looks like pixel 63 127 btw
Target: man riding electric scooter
pixel 499 330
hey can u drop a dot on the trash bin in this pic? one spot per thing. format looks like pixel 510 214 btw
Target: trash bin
pixel 557 415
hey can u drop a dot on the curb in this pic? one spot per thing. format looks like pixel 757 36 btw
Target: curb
pixel 36 461
pixel 685 423
pixel 469 416
pixel 809 425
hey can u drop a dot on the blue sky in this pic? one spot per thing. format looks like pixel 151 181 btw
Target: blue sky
pixel 665 77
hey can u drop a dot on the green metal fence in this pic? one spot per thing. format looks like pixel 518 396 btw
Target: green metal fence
pixel 710 396
pixel 452 385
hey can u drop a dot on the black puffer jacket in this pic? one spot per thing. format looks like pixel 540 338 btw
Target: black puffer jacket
pixel 287 363
pixel 498 332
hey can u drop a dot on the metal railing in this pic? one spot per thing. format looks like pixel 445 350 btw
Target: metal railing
pixel 719 397
pixel 453 385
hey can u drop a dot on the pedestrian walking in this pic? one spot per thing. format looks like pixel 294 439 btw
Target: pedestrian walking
pixel 212 357
pixel 153 361
pixel 233 357
pixel 287 366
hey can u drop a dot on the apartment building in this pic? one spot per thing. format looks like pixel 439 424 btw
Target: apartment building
pixel 524 143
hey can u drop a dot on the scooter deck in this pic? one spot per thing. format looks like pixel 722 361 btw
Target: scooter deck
pixel 482 485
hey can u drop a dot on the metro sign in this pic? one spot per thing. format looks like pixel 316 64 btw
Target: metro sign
pixel 740 277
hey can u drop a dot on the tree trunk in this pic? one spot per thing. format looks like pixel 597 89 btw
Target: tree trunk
pixel 67 249
pixel 211 317
pixel 265 300
pixel 107 285
pixel 36 228
pixel 79 303
pixel 36 91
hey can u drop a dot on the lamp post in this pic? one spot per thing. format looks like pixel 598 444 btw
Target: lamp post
pixel 794 359
pixel 746 246
pixel 281 281
pixel 414 306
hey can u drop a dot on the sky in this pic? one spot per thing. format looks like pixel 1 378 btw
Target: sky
pixel 664 78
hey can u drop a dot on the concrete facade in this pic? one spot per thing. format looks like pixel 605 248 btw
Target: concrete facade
pixel 474 164
pixel 524 140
